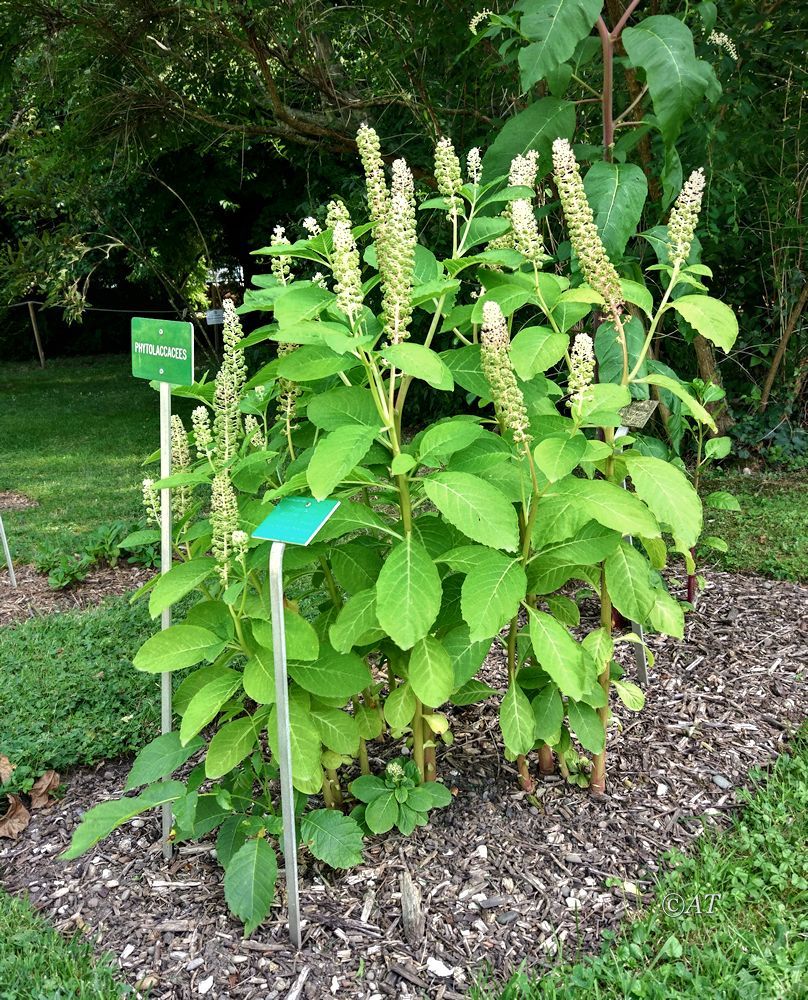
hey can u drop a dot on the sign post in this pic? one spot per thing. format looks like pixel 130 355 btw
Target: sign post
pixel 7 554
pixel 163 351
pixel 295 521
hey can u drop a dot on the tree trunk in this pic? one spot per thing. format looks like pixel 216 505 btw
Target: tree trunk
pixel 791 326
pixel 708 372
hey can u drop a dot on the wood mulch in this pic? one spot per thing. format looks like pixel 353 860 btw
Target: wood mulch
pixel 33 595
pixel 13 500
pixel 504 878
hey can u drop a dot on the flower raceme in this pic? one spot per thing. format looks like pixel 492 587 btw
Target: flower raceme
pixel 448 174
pixel 345 262
pixel 509 402
pixel 684 218
pixel 223 522
pixel 230 381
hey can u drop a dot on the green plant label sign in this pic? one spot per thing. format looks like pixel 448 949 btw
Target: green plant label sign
pixel 163 350
pixel 296 520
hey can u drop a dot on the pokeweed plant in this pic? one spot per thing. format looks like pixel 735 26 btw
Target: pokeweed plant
pixel 446 542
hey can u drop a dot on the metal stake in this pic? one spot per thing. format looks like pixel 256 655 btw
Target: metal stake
pixel 166 556
pixel 284 746
pixel 7 554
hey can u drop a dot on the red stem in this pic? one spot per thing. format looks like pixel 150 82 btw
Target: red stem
pixel 607 97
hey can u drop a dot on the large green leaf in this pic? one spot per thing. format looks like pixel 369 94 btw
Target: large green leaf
pixel 301 639
pixel 553 29
pixel 548 714
pixel 177 647
pixel 102 819
pixel 558 654
pixel 400 705
pixel 420 362
pixel 356 564
pixel 408 593
pixel 669 494
pixel 535 349
pixel 558 454
pixel 381 814
pixel 311 363
pixel 332 674
pixel 338 730
pixel 206 703
pixel 586 725
pixel 570 503
pixel 444 439
pixel 662 45
pixel 249 883
pixel 430 671
pixel 356 624
pixel 179 581
pixel 478 509
pixel 609 351
pixel 466 654
pixel 628 580
pixel 465 366
pixel 345 406
pixel 332 837
pixel 516 721
pixel 712 318
pixel 616 193
pixel 534 128
pixel 491 593
pixel 259 676
pixel 229 746
pixel 336 455
pixel 160 758
pixel 304 741
pixel 692 405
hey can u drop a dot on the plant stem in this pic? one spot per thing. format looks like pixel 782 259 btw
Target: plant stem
pixel 546 760
pixel 430 761
pixel 364 765
pixel 335 792
pixel 597 783
pixel 418 738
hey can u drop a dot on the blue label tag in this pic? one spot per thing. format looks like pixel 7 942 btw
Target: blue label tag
pixel 296 520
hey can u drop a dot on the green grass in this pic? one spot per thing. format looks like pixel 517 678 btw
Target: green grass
pixel 754 943
pixel 69 692
pixel 37 963
pixel 770 533
pixel 73 437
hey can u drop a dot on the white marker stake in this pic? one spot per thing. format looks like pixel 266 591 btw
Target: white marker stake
pixel 166 557
pixel 284 746
pixel 7 554
pixel 640 658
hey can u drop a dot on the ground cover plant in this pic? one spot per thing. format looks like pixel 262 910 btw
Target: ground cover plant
pixel 729 921
pixel 460 537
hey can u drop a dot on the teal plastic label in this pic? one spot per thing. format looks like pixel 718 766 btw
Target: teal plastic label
pixel 296 520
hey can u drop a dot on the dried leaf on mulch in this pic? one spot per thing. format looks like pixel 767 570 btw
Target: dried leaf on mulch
pixel 42 788
pixel 6 769
pixel 15 819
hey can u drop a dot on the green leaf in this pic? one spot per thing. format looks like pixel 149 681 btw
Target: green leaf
pixel 429 795
pixel 381 814
pixel 345 406
pixel 332 675
pixel 301 639
pixel 570 503
pixel 585 723
pixel 356 623
pixel 516 721
pixel 714 542
pixel 356 564
pixel 207 702
pixel 338 730
pixel 721 500
pixel 667 615
pixel 535 349
pixel 471 692
pixel 367 787
pixel 399 708
pixel 548 714
pixel 467 654
pixel 669 494
pixel 301 302
pixel 693 407
pixel 558 653
pixel 483 229
pixel 557 455
pixel 194 682
pixel 160 758
pixel 475 507
pixel 177 647
pixel 491 593
pixel 564 609
pixel 609 351
pixel 616 193
pixel 553 29
pixel 337 455
pixel 310 363
pixel 718 448
pixel 420 362
pixel 304 740
pixel 98 822
pixel 509 298
pixel 259 677
pixel 631 695
pixel 249 883
pixel 464 364
pixel 430 671
pixel 444 439
pixel 232 836
pixel 712 318
pixel 332 837
pixel 229 746
pixel 662 45
pixel 408 593
pixel 534 128
pixel 628 580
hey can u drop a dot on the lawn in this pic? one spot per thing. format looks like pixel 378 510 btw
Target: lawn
pixel 753 942
pixel 73 437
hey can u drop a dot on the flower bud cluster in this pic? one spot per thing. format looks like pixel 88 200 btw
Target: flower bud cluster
pixel 345 262
pixel 474 165
pixel 253 431
pixel 203 433
pixel 223 522
pixel 477 20
pixel 240 541
pixel 288 391
pixel 582 368
pixel 151 501
pixel 180 462
pixel 598 270
pixel 230 381
pixel 509 402
pixel 280 265
pixel 684 218
pixel 395 249
pixel 312 226
pixel 367 142
pixel 524 169
pixel 448 175
pixel 723 41
pixel 526 236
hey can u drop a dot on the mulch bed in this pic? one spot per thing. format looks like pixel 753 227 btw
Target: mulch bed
pixel 33 595
pixel 13 500
pixel 505 879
